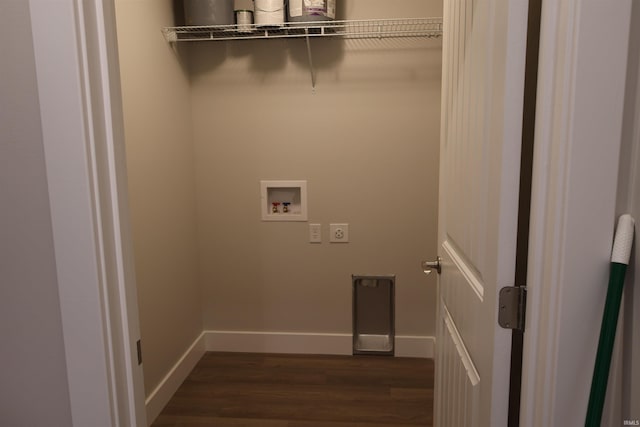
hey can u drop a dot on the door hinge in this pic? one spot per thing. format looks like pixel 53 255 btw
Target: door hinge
pixel 511 307
pixel 139 348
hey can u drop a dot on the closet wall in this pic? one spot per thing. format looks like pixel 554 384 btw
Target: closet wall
pixel 205 122
pixel 160 168
pixel 367 143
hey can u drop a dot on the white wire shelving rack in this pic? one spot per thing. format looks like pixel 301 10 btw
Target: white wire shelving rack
pixel 350 29
pixel 372 28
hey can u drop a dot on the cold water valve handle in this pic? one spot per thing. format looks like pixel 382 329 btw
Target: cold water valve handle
pixel 285 207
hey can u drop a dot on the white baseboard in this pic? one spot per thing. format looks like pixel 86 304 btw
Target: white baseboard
pixel 161 395
pixel 307 343
pixel 278 342
pixel 415 346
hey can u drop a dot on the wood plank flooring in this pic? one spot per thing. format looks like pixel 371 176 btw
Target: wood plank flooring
pixel 272 390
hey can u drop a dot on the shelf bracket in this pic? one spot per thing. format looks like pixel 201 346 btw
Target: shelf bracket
pixel 311 69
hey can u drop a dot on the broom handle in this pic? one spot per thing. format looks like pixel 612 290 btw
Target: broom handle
pixel 619 261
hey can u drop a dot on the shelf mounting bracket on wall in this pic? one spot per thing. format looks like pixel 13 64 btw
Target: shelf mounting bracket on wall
pixel 311 69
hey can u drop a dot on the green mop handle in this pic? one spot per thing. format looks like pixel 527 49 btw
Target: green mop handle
pixel 619 261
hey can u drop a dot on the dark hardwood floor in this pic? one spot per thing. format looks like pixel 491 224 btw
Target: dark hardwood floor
pixel 273 390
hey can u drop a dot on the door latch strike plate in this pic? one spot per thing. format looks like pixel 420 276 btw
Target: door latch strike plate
pixel 511 307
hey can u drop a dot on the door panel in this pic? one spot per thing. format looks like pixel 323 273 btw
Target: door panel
pixel 483 83
pixel 462 391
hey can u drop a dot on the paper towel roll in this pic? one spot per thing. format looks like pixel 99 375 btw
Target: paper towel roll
pixel 269 13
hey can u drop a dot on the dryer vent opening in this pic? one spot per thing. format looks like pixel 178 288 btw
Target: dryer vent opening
pixel 373 315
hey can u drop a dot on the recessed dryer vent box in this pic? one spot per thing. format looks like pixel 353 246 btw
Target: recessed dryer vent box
pixel 374 315
pixel 284 200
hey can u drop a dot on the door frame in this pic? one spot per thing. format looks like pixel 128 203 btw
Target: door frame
pixel 77 71
pixel 84 145
pixel 580 101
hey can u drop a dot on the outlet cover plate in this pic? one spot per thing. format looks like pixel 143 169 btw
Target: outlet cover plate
pixel 339 233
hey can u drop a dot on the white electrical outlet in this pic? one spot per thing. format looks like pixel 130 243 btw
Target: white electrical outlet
pixel 339 233
pixel 315 233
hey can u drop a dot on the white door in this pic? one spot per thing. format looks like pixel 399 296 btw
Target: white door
pixel 483 82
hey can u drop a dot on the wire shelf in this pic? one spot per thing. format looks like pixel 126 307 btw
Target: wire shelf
pixel 352 29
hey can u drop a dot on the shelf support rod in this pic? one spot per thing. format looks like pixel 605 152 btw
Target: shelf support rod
pixel 311 69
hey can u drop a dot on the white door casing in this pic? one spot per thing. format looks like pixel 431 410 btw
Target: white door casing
pixel 483 85
pixel 580 102
pixel 81 114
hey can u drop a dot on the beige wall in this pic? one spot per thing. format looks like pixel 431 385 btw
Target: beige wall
pixel 34 390
pixel 161 185
pixel 366 141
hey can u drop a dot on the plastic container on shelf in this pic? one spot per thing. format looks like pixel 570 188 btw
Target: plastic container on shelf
pixel 208 12
pixel 312 10
pixel 244 10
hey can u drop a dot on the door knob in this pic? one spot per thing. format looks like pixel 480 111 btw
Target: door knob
pixel 429 266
